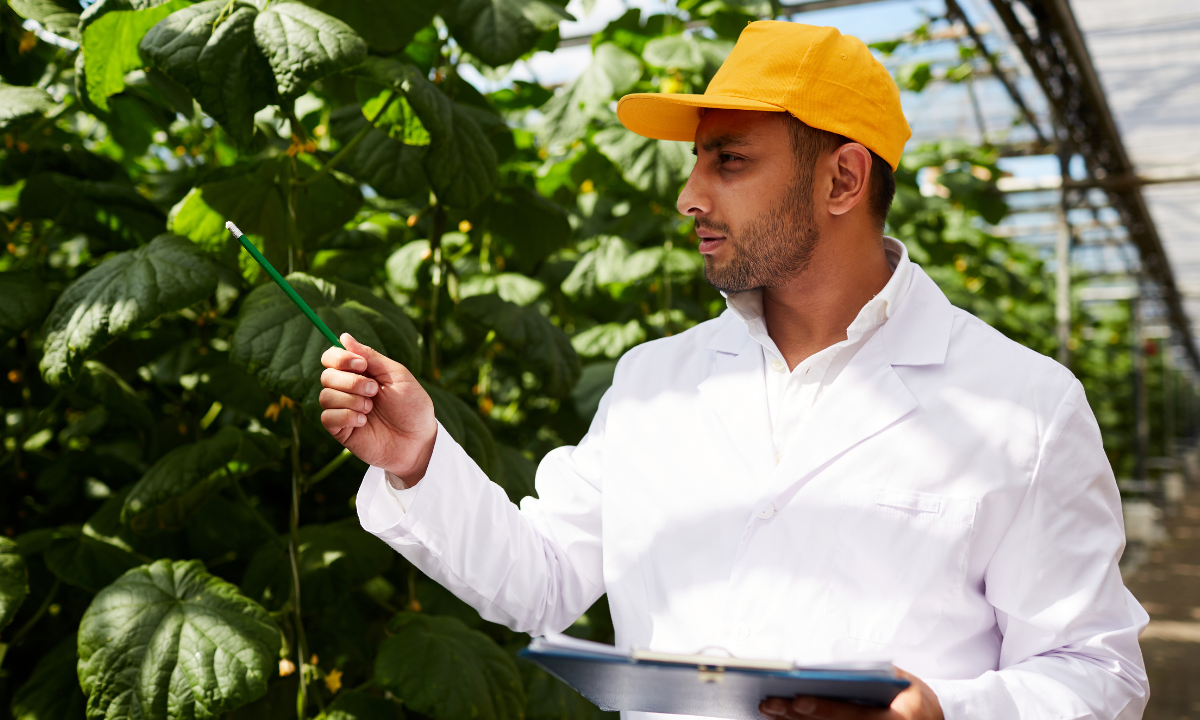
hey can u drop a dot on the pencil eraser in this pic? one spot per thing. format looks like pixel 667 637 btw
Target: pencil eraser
pixel 232 228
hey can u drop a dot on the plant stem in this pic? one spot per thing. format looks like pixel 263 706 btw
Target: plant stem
pixel 293 556
pixel 324 472
pixel 37 615
pixel 348 147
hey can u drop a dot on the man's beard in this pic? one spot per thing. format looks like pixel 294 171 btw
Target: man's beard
pixel 772 249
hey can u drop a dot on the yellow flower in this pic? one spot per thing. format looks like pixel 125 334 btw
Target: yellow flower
pixel 412 220
pixel 287 402
pixel 15 376
pixel 586 187
pixel 29 41
pixel 272 411
pixel 464 226
pixel 286 667
pixel 333 680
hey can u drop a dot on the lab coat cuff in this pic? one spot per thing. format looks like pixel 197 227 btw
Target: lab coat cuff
pixel 954 696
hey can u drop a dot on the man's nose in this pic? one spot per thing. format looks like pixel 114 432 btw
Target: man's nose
pixel 692 199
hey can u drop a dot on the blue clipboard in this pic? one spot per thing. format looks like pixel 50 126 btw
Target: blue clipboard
pixel 715 689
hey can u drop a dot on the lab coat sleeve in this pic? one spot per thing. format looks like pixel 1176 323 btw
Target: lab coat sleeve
pixel 536 568
pixel 1070 628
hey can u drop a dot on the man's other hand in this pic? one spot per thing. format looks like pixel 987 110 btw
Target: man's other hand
pixel 916 702
pixel 375 407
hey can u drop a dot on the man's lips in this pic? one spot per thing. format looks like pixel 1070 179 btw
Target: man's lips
pixel 709 243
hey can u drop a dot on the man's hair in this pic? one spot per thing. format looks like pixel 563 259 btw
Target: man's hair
pixel 809 143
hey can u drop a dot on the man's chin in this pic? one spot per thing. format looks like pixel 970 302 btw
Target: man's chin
pixel 724 281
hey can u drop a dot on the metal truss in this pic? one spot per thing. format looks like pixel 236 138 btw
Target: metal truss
pixel 1054 49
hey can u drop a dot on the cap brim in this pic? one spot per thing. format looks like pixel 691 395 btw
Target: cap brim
pixel 674 116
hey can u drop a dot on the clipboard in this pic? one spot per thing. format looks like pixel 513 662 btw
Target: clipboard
pixel 704 685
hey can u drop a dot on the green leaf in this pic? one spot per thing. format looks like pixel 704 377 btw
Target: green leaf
pixel 24 301
pixel 533 226
pixel 531 336
pixel 604 266
pixel 444 669
pixel 18 103
pixel 186 477
pixel 60 17
pixel 404 265
pixel 223 69
pixel 394 116
pixel 87 562
pixel 122 294
pixel 516 473
pixel 14 581
pixel 460 163
pixel 613 72
pixel 275 342
pixel 98 383
pixel 464 425
pixel 332 558
pixel 361 706
pixel 52 691
pixel 609 339
pixel 391 167
pixel 657 166
pixel 500 31
pixel 513 287
pixel 386 25
pixel 170 640
pixel 594 381
pixel 112 212
pixel 674 52
pixel 303 45
pixel 111 32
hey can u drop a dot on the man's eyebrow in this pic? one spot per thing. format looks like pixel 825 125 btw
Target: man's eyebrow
pixel 720 142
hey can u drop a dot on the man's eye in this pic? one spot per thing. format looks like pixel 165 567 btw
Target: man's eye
pixel 726 157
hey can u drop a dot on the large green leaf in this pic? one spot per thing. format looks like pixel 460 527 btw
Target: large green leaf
pixel 87 562
pixel 111 31
pixel 464 425
pixel 98 383
pixel 109 211
pixel 187 476
pixel 222 68
pixel 303 44
pixel 122 294
pixel 14 581
pixel 460 163
pixel 392 168
pixel 386 25
pixel 361 706
pixel 532 336
pixel 500 31
pixel 531 225
pixel 168 640
pixel 674 52
pixel 60 17
pixel 332 559
pixel 404 265
pixel 613 72
pixel 52 691
pixel 609 339
pixel 24 301
pixel 18 102
pixel 444 669
pixel 657 166
pixel 510 286
pixel 594 381
pixel 276 342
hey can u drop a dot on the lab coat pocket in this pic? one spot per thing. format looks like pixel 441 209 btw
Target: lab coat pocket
pixel 901 556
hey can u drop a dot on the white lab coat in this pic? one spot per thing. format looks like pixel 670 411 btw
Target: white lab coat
pixel 947 505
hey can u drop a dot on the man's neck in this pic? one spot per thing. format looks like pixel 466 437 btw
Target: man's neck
pixel 812 311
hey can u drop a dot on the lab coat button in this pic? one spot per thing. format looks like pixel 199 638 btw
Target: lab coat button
pixel 778 366
pixel 741 631
pixel 767 512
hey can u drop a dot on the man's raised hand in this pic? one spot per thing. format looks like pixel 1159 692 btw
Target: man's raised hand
pixel 375 407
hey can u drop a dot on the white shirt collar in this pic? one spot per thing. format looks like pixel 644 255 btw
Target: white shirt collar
pixel 748 306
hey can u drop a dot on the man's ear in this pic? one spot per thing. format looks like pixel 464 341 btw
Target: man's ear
pixel 851 167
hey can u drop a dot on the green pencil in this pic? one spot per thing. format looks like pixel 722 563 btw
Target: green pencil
pixel 283 285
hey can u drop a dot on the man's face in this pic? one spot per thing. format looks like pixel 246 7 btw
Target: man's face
pixel 753 205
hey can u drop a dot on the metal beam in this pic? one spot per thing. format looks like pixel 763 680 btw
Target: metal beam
pixel 1055 51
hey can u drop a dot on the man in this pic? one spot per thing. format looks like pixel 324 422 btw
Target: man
pixel 842 466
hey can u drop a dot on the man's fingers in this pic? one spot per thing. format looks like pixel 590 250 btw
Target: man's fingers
pixel 340 359
pixel 349 382
pixel 337 400
pixel 337 421
pixel 810 707
pixel 377 362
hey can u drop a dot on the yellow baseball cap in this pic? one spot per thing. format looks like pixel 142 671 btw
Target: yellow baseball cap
pixel 825 79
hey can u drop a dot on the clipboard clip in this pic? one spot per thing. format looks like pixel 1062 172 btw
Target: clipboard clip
pixel 711 675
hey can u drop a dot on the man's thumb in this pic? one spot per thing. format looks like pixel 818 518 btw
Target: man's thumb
pixel 373 358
